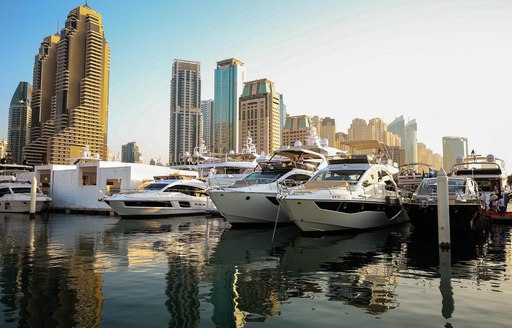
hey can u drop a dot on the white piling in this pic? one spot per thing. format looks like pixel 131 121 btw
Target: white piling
pixel 443 210
pixel 33 195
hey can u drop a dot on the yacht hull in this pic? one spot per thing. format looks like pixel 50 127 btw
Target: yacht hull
pixel 22 204
pixel 320 215
pixel 462 216
pixel 239 207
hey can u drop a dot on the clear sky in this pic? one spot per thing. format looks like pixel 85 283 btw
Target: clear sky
pixel 447 64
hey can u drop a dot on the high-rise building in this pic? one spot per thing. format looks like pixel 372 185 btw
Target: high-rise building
pixel 283 116
pixel 186 120
pixel 407 131
pixel 130 153
pixel 453 147
pixel 328 129
pixel 20 115
pixel 339 138
pixel 207 109
pixel 260 115
pixel 229 79
pixel 295 129
pixel 358 130
pixel 79 101
pixel 43 96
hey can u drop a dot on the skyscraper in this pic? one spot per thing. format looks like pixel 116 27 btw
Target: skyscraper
pixel 328 129
pixel 260 115
pixel 407 131
pixel 79 105
pixel 43 94
pixel 453 147
pixel 229 79
pixel 186 120
pixel 207 109
pixel 130 153
pixel 18 128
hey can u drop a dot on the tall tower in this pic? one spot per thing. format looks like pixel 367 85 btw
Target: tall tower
pixel 130 153
pixel 18 129
pixel 453 147
pixel 296 128
pixel 186 120
pixel 328 129
pixel 207 109
pixel 229 79
pixel 260 115
pixel 407 131
pixel 79 102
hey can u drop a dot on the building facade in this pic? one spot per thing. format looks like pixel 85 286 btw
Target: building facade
pixel 453 147
pixel 229 83
pixel 19 122
pixel 407 131
pixel 260 115
pixel 328 129
pixel 295 129
pixel 207 109
pixel 3 150
pixel 79 105
pixel 186 120
pixel 130 153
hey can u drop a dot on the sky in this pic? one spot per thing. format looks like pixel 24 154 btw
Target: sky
pixel 447 64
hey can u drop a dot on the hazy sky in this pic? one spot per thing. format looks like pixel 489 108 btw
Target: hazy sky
pixel 447 64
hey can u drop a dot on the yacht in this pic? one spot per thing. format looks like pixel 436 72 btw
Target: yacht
pixel 15 195
pixel 464 202
pixel 222 169
pixel 357 191
pixel 489 172
pixel 252 200
pixel 162 197
pixel 410 176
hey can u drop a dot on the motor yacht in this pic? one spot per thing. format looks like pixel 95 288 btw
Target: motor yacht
pixel 15 195
pixel 464 201
pixel 357 191
pixel 163 197
pixel 252 200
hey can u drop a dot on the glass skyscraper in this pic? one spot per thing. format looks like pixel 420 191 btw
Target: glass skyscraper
pixel 186 121
pixel 229 83
pixel 20 114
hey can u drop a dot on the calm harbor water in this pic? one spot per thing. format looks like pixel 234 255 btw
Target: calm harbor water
pixel 100 271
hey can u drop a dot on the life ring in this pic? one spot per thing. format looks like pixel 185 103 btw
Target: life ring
pixel 7 205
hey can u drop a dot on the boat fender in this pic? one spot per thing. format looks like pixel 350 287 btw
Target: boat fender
pixel 7 205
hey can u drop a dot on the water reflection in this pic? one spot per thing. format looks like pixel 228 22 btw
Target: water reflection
pixel 252 278
pixel 87 271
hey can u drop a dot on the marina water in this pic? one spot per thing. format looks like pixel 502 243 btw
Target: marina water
pixel 73 270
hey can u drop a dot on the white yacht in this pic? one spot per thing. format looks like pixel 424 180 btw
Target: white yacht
pixel 355 192
pixel 252 200
pixel 14 194
pixel 488 171
pixel 163 197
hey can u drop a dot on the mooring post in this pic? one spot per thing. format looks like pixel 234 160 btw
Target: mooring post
pixel 443 210
pixel 33 195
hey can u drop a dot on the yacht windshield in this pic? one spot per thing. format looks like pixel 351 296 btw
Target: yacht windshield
pixel 23 190
pixel 152 186
pixel 351 176
pixel 264 176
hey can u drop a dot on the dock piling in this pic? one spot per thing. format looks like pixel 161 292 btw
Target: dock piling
pixel 33 195
pixel 443 210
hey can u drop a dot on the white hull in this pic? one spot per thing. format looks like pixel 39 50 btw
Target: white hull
pixel 311 218
pixel 176 206
pixel 22 204
pixel 239 207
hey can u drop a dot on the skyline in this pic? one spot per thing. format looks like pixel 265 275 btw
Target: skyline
pixel 364 59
